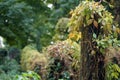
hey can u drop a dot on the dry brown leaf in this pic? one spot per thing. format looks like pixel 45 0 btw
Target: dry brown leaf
pixel 95 23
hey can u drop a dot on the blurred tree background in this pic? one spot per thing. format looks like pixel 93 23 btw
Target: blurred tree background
pixel 25 22
pixel 28 21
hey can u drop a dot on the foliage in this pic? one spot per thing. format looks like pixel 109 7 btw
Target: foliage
pixel 107 42
pixel 99 22
pixel 3 53
pixel 14 53
pixel 88 13
pixel 47 18
pixel 113 72
pixel 39 6
pixel 25 22
pixel 31 59
pixel 31 21
pixel 61 8
pixel 113 7
pixel 8 69
pixel 29 75
pixel 43 27
pixel 61 29
pixel 64 60
pixel 15 22
pixel 11 52
pixel 113 55
pixel 112 60
pixel 43 33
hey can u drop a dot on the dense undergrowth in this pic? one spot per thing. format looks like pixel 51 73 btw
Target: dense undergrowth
pixel 61 59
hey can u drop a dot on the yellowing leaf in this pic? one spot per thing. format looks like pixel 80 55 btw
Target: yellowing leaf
pixel 78 36
pixel 75 35
pixel 71 35
pixel 89 21
pixel 71 12
pixel 118 30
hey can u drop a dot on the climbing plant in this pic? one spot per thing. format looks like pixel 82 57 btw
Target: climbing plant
pixel 97 31
pixel 91 13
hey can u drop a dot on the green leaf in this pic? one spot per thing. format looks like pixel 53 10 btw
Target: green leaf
pixel 94 36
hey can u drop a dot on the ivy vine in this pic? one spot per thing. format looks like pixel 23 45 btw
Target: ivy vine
pixel 93 13
pixel 90 12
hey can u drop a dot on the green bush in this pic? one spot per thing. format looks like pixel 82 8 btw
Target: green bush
pixel 32 60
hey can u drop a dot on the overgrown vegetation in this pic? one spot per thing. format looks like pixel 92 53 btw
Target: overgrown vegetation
pixel 32 60
pixel 60 40
pixel 98 32
pixel 64 60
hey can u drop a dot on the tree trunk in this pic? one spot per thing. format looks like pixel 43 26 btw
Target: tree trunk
pixel 92 61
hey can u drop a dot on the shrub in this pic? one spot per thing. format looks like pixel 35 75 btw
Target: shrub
pixel 64 60
pixel 32 60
